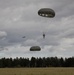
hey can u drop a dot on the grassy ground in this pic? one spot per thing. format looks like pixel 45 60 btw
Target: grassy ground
pixel 36 71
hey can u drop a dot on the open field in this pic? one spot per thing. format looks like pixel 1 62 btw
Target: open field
pixel 36 71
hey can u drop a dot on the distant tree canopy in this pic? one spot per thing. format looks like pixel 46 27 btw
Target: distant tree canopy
pixel 37 62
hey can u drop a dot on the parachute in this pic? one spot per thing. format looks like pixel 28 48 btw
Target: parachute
pixel 46 12
pixel 35 48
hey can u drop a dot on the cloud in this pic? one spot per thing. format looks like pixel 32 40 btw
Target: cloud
pixel 19 18
pixel 3 48
pixel 3 34
pixel 31 42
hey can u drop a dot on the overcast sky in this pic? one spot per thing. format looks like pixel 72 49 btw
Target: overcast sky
pixel 19 18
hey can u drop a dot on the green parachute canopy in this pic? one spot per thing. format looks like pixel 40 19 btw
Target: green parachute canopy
pixel 35 48
pixel 46 12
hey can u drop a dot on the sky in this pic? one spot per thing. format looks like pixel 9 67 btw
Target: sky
pixel 20 18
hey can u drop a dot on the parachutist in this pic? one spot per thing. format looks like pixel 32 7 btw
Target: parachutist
pixel 43 36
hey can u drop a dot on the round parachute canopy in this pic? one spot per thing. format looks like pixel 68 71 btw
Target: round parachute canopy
pixel 46 12
pixel 35 48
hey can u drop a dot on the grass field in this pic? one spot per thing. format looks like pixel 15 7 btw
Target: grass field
pixel 36 71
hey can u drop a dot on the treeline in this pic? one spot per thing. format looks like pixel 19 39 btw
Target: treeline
pixel 37 62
